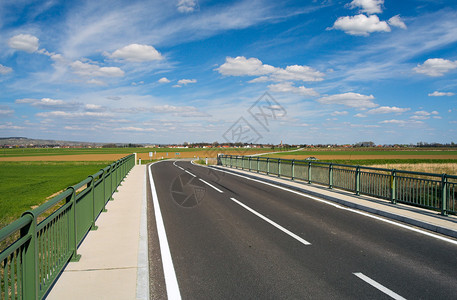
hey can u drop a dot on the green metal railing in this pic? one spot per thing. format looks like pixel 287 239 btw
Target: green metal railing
pixel 427 190
pixel 30 263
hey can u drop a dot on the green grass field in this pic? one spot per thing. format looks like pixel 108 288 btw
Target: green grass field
pixel 27 184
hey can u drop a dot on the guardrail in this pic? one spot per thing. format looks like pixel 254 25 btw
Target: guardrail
pixel 427 190
pixel 32 261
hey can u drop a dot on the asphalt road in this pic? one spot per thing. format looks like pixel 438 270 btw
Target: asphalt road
pixel 229 237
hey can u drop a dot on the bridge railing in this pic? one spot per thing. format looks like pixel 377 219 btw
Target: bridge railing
pixel 37 247
pixel 426 190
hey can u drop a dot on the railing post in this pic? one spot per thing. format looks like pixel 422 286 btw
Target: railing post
pixel 94 207
pixel 104 190
pixel 231 164
pixel 330 176
pixel 393 186
pixel 30 260
pixel 279 167
pixel 250 161
pixel 72 235
pixel 309 172
pixel 357 180
pixel 444 187
pixel 258 168
pixel 293 169
pixel 268 165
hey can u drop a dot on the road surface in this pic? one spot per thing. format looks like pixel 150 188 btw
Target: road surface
pixel 222 236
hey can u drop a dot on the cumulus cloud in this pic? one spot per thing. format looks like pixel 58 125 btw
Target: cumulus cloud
pixel 87 69
pixel 388 110
pixel 9 125
pixel 287 87
pixel 436 67
pixel 135 129
pixel 187 6
pixel 163 80
pixel 5 70
pixel 440 94
pixel 241 66
pixel 360 25
pixel 396 21
pixel 71 115
pixel 137 53
pixel 350 99
pixel 6 112
pixel 402 122
pixel 339 113
pixel 24 42
pixel 48 103
pixel 182 82
pixel 297 73
pixel 368 6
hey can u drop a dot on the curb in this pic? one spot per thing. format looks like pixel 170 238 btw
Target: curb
pixel 404 219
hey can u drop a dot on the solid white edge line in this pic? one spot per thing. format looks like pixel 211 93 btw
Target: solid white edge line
pixel 171 282
pixel 442 238
pixel 209 184
pixel 379 286
pixel 272 222
pixel 142 283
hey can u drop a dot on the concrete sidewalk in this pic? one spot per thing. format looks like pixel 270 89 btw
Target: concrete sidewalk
pixel 114 262
pixel 423 218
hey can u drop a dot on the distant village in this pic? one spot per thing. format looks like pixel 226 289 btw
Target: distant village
pixel 21 142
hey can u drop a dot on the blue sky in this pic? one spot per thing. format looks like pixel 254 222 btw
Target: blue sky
pixel 191 71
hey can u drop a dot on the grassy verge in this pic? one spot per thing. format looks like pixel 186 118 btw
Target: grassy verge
pixel 24 185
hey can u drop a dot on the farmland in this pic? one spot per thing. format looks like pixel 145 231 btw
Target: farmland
pixel 25 185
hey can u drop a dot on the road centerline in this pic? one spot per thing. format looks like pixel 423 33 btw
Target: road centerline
pixel 288 232
pixel 209 184
pixel 378 286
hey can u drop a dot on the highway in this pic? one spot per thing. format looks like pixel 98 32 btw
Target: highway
pixel 214 235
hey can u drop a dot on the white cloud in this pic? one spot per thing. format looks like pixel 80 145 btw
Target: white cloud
pixel 396 21
pixel 5 70
pixel 350 99
pixel 137 53
pixel 71 115
pixel 87 69
pixel 401 122
pixel 368 6
pixel 48 103
pixel 10 125
pixel 96 82
pixel 186 81
pixel 297 73
pixel 136 129
pixel 361 25
pixel 359 115
pixel 339 113
pixel 388 110
pixel 419 117
pixel 187 6
pixel 287 87
pixel 436 67
pixel 94 107
pixel 163 80
pixel 24 42
pixel 6 112
pixel 240 66
pixel 440 94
